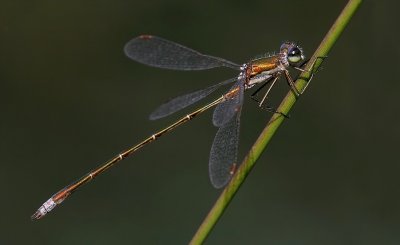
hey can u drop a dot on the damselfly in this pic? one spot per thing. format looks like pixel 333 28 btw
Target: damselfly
pixel 158 52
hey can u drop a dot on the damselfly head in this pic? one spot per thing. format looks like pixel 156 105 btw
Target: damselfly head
pixel 293 52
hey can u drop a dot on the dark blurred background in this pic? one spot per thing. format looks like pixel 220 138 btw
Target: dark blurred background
pixel 71 100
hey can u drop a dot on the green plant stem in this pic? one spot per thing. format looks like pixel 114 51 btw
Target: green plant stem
pixel 274 123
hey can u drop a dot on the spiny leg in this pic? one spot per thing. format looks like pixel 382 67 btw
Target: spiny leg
pixel 269 89
pixel 254 96
pixel 261 102
pixel 289 79
pixel 310 70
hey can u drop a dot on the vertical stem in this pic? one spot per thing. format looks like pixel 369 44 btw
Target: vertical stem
pixel 274 123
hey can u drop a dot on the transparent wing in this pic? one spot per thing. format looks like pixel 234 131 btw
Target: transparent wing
pixel 223 155
pixel 224 111
pixel 185 100
pixel 158 52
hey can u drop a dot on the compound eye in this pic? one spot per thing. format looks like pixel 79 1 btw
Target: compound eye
pixel 294 55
